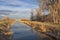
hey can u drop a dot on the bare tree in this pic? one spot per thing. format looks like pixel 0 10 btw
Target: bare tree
pixel 53 6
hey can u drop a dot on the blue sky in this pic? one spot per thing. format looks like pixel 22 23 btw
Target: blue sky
pixel 21 7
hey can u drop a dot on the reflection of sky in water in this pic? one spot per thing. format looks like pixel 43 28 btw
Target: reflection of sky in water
pixel 23 32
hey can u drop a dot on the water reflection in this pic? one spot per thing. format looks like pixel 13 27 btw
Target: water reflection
pixel 23 32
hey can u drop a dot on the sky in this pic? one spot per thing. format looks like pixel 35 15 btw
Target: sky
pixel 20 8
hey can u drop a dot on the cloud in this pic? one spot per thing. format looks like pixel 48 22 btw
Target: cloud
pixel 16 3
pixel 14 8
pixel 2 15
pixel 21 8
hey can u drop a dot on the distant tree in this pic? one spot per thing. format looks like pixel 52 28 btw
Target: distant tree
pixel 32 13
pixel 38 14
pixel 38 11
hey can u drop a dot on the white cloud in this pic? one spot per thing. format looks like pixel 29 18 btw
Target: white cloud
pixel 2 15
pixel 16 2
pixel 23 5
pixel 22 11
pixel 14 8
